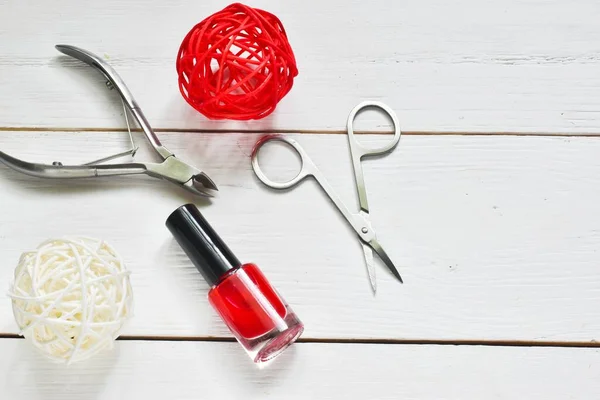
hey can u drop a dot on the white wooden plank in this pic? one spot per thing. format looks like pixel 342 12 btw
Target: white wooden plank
pixel 189 370
pixel 496 237
pixel 467 65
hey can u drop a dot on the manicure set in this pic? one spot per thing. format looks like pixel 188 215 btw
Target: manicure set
pixel 248 304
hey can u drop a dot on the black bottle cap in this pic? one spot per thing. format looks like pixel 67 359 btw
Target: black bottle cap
pixel 201 243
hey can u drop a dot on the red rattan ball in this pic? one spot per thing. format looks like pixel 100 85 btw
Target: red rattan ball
pixel 236 64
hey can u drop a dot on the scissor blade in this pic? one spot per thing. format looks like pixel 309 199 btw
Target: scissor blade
pixel 385 258
pixel 370 268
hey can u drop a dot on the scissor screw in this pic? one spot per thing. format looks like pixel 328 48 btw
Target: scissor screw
pixel 364 230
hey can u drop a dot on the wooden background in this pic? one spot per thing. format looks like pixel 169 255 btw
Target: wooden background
pixel 489 205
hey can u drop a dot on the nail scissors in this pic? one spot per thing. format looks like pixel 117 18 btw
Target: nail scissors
pixel 170 169
pixel 360 221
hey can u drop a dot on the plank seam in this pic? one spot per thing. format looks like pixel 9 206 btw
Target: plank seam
pixel 305 131
pixel 408 342
pixel 419 342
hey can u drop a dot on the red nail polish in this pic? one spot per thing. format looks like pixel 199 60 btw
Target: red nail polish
pixel 255 313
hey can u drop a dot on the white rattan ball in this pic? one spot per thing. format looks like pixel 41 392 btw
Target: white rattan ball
pixel 71 297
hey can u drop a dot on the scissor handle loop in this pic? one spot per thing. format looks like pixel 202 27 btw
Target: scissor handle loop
pixel 357 147
pixel 307 167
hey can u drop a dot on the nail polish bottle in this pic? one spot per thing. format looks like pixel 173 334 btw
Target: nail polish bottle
pixel 255 313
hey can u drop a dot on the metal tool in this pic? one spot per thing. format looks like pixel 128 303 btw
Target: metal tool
pixel 171 168
pixel 360 221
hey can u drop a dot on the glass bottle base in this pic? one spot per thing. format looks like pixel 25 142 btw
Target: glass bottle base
pixel 270 345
